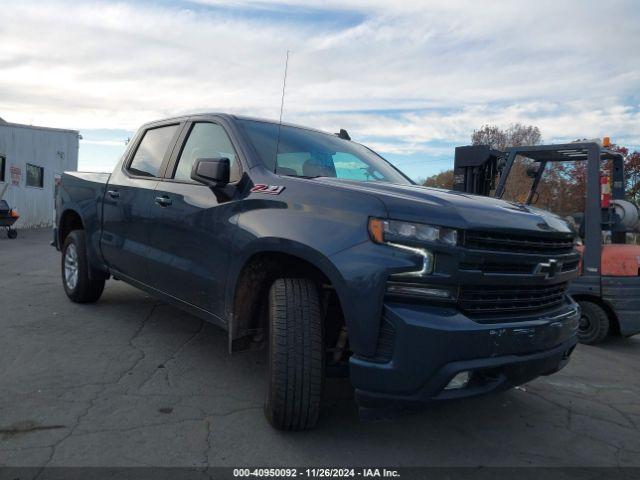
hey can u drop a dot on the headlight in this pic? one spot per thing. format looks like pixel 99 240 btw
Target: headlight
pixel 391 231
pixel 397 234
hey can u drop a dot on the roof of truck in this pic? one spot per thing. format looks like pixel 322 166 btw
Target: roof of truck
pixel 231 116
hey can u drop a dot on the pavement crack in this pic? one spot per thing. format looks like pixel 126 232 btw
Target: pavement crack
pixel 91 402
pixel 79 418
pixel 555 404
pixel 174 355
pixel 631 425
pixel 571 428
pixel 141 351
pixel 234 411
pixel 208 443
pixel 85 432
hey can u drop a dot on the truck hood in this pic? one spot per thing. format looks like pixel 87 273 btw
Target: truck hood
pixel 455 209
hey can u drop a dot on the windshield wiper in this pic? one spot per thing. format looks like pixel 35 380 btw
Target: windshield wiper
pixel 308 177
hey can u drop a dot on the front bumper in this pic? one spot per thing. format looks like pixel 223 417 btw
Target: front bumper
pixel 430 345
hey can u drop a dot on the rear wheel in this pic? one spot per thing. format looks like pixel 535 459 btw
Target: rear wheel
pixel 11 233
pixel 594 323
pixel 81 283
pixel 295 373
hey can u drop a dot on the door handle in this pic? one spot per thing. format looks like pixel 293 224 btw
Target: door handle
pixel 163 201
pixel 113 193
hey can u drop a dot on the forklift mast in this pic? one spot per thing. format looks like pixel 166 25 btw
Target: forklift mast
pixel 476 169
pixel 608 289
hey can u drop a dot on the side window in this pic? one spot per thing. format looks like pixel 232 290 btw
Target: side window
pixel 206 140
pixel 150 153
pixel 3 164
pixel 35 176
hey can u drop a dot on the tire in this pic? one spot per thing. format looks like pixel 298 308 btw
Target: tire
pixel 594 323
pixel 11 233
pixel 295 373
pixel 84 288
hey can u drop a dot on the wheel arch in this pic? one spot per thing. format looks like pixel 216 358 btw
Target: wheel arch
pixel 70 220
pixel 248 282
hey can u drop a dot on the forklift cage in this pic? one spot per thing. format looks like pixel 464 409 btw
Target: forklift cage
pixel 593 154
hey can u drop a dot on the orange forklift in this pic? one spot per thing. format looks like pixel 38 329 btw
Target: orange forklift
pixel 608 289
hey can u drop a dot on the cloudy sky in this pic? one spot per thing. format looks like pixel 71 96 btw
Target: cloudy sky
pixel 411 79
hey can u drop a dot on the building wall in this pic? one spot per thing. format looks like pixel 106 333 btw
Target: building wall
pixel 53 149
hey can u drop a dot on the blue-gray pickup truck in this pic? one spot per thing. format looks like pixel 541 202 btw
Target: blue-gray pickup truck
pixel 316 248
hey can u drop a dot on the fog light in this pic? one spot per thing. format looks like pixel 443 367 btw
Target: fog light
pixel 461 380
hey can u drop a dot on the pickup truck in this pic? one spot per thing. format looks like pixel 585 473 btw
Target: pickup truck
pixel 316 249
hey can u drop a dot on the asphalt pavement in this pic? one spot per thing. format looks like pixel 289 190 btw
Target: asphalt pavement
pixel 130 381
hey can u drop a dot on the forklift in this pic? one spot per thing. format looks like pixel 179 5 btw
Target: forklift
pixel 608 289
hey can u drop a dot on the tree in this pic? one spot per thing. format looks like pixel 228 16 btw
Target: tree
pixel 631 172
pixel 515 135
pixel 562 188
pixel 632 175
pixel 441 180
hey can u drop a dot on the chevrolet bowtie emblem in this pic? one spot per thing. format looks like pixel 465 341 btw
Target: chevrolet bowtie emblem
pixel 549 269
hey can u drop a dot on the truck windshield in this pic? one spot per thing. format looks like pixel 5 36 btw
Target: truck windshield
pixel 310 154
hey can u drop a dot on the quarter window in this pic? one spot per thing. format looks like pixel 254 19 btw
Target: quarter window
pixel 206 140
pixel 151 151
pixel 35 176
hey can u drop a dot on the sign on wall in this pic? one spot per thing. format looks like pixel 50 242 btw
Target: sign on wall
pixel 16 175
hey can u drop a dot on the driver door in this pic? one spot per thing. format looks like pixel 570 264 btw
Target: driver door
pixel 191 238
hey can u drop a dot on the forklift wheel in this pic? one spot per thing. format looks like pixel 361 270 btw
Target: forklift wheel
pixel 12 233
pixel 594 323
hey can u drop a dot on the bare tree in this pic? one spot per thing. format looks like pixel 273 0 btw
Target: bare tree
pixel 490 135
pixel 497 138
pixel 519 134
pixel 516 135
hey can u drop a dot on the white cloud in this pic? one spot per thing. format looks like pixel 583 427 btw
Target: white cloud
pixel 448 66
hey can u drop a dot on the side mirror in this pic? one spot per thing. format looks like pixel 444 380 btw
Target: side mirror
pixel 211 171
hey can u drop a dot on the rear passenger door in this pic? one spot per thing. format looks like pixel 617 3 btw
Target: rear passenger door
pixel 192 237
pixel 126 209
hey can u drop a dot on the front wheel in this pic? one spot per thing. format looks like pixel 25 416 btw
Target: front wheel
pixel 11 233
pixel 81 283
pixel 295 374
pixel 594 323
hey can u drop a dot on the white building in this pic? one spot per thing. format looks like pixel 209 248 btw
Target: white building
pixel 30 159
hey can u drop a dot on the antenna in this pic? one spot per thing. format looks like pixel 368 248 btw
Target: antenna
pixel 284 86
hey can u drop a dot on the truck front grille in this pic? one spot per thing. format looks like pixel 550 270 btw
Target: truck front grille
pixel 480 300
pixel 523 268
pixel 554 244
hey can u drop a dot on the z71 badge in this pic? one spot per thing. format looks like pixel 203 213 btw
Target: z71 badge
pixel 268 189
